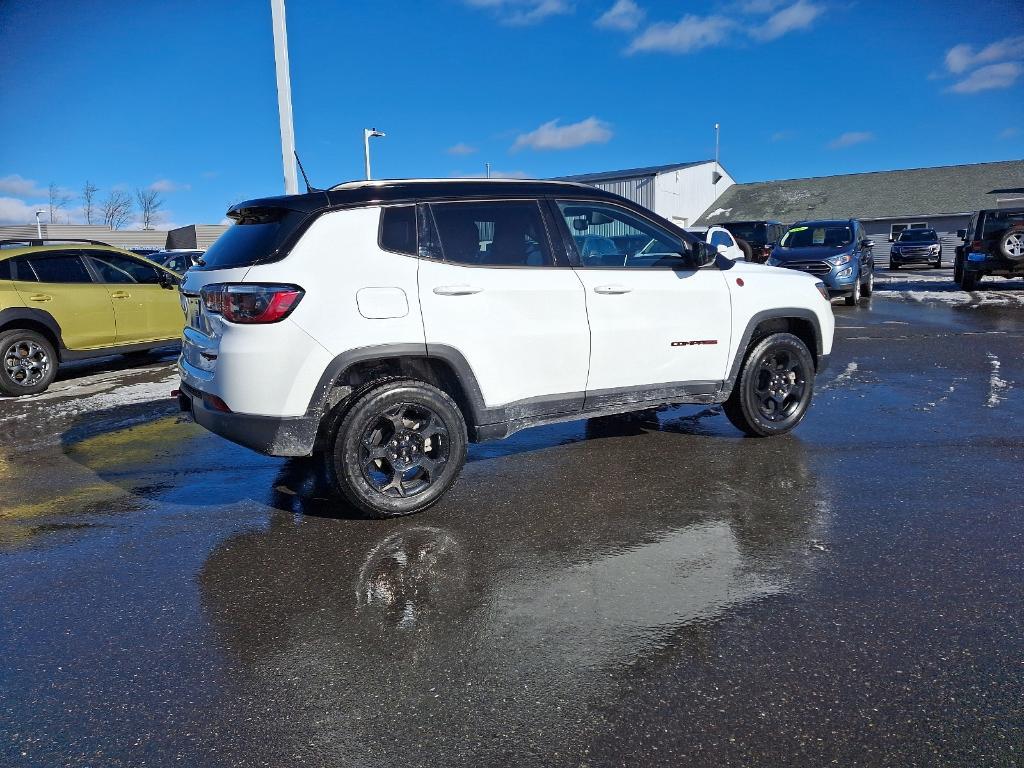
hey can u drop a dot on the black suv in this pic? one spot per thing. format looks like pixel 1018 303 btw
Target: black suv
pixel 915 245
pixel 760 237
pixel 993 245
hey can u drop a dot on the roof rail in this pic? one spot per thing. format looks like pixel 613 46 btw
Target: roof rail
pixel 44 241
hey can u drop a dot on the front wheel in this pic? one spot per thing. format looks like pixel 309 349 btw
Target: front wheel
pixel 29 363
pixel 774 388
pixel 869 287
pixel 397 449
pixel 854 298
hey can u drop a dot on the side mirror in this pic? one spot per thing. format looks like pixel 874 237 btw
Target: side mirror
pixel 868 243
pixel 962 234
pixel 702 254
pixel 168 280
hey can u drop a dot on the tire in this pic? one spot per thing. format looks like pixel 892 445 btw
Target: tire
pixel 1011 244
pixel 748 252
pixel 894 265
pixel 381 462
pixel 958 270
pixel 938 262
pixel 770 362
pixel 854 299
pixel 969 280
pixel 28 363
pixel 869 287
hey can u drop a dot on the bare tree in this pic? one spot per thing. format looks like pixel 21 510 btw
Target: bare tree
pixel 150 203
pixel 89 201
pixel 58 201
pixel 117 209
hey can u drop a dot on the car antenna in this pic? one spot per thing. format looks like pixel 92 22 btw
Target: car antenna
pixel 305 178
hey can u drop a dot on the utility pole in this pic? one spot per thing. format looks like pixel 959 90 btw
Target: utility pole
pixel 39 227
pixel 369 133
pixel 284 97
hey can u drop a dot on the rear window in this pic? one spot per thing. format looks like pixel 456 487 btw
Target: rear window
pixel 997 222
pixel 257 237
pixel 751 232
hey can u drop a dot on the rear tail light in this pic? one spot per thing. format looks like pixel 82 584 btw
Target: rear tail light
pixel 251 303
pixel 978 245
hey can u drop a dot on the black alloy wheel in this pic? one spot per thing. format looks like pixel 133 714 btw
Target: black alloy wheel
pixel 775 387
pixel 396 447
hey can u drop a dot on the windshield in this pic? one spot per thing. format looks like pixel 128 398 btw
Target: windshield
pixel 918 236
pixel 817 235
pixel 751 232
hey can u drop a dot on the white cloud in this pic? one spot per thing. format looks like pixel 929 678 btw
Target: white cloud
pixel 989 78
pixel 690 33
pixel 551 135
pixel 22 187
pixel 624 15
pixel 850 138
pixel 800 15
pixel 15 211
pixel 166 185
pixel 523 12
pixel 961 58
pixel 461 149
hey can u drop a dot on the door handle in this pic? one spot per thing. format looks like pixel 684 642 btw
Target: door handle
pixel 456 290
pixel 40 297
pixel 120 295
pixel 612 290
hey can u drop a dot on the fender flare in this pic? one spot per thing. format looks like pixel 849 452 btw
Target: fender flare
pixel 776 313
pixel 14 314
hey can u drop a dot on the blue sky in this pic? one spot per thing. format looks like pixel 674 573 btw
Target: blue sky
pixel 182 96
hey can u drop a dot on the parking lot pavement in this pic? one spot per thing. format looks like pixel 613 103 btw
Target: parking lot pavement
pixel 654 590
pixel 936 286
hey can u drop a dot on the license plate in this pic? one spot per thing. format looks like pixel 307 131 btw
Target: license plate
pixel 977 256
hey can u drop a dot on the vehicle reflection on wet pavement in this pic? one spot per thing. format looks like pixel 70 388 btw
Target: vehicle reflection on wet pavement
pixel 652 589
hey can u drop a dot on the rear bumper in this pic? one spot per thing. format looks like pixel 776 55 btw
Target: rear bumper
pixel 270 435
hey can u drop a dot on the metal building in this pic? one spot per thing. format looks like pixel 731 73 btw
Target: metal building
pixel 680 192
pixel 193 236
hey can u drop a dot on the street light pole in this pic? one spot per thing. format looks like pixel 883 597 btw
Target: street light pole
pixel 39 227
pixel 284 97
pixel 369 133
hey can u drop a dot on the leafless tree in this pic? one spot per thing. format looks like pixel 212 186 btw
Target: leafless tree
pixel 89 201
pixel 117 209
pixel 58 201
pixel 150 203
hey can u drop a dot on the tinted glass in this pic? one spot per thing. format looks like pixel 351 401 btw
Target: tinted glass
pixel 918 236
pixel 752 232
pixel 398 229
pixel 255 238
pixel 997 222
pixel 608 236
pixel 503 234
pixel 115 268
pixel 721 238
pixel 814 236
pixel 59 268
pixel 5 270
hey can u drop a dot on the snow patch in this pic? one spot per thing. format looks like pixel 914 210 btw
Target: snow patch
pixel 997 386
pixel 843 378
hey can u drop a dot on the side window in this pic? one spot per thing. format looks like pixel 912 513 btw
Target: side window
pixel 59 267
pixel 5 270
pixel 608 236
pixel 496 234
pixel 398 229
pixel 721 238
pixel 115 268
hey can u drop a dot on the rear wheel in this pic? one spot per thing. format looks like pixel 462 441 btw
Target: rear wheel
pixel 958 270
pixel 748 252
pixel 774 388
pixel 397 449
pixel 969 280
pixel 29 363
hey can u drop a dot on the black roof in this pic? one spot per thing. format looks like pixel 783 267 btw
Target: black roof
pixel 356 193
pixel 904 194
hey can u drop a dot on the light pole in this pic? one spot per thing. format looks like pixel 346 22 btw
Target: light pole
pixel 284 97
pixel 39 227
pixel 369 133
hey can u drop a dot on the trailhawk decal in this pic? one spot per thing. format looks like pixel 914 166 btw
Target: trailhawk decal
pixel 694 343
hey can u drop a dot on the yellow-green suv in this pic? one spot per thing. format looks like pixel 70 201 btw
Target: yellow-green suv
pixel 77 300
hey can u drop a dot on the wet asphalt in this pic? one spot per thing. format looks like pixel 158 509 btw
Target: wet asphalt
pixel 654 590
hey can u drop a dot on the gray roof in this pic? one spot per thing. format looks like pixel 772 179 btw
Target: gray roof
pixel 628 173
pixel 951 189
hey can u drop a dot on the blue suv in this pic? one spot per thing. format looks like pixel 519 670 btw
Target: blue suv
pixel 837 252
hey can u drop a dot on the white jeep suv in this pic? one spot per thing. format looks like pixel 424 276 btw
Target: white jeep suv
pixel 384 325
